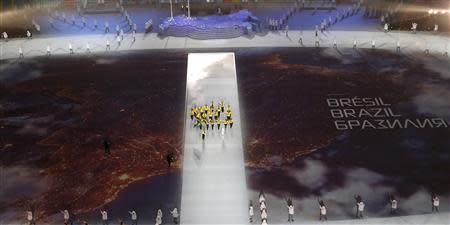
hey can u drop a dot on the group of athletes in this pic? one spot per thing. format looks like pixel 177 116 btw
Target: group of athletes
pixel 206 116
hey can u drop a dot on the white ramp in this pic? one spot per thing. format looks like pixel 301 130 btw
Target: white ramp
pixel 214 184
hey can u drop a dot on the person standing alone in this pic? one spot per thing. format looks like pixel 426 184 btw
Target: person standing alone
pixel 323 211
pixel 133 215
pixel 290 208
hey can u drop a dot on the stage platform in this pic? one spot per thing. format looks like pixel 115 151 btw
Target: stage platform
pixel 233 25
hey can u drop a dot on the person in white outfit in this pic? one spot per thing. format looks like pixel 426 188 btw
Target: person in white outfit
pixel 323 211
pixel 159 216
pixel 394 205
pixel 28 34
pixel 262 197
pixel 88 48
pixel 251 212
pixel 360 209
pixel 117 29
pixel 48 50
pixel 70 48
pixel 30 218
pixel 435 203
pixel 5 36
pixel 414 27
pixel 104 217
pixel 20 52
pixel 118 40
pixel 264 222
pixel 134 217
pixel 290 208
pixel 66 216
pixel 108 47
pixel 175 215
pixel 262 206
pixel 386 28
pixel 264 215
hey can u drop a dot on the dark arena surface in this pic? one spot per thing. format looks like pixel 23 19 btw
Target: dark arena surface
pixel 295 149
pixel 55 115
pixel 394 138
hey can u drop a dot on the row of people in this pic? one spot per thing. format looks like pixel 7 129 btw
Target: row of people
pixel 278 23
pixel 69 220
pixel 204 121
pixel 62 17
pixel 340 16
pixel 325 23
pixel 359 206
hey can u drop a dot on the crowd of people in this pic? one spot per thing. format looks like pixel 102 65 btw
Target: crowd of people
pixel 58 16
pixel 279 23
pixel 209 116
pixel 387 15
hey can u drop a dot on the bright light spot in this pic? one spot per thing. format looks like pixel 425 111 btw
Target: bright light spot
pixel 124 177
pixel 198 65
pixel 430 11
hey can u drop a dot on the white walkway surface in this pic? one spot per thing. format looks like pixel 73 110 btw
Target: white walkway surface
pixel 410 43
pixel 426 219
pixel 214 185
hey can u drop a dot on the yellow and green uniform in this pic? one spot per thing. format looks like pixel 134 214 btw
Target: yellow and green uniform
pixel 210 114
pixel 192 113
pixel 207 123
pixel 228 109
pixel 204 115
pixel 216 114
pixel 228 115
pixel 221 106
pixel 211 121
pixel 218 122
